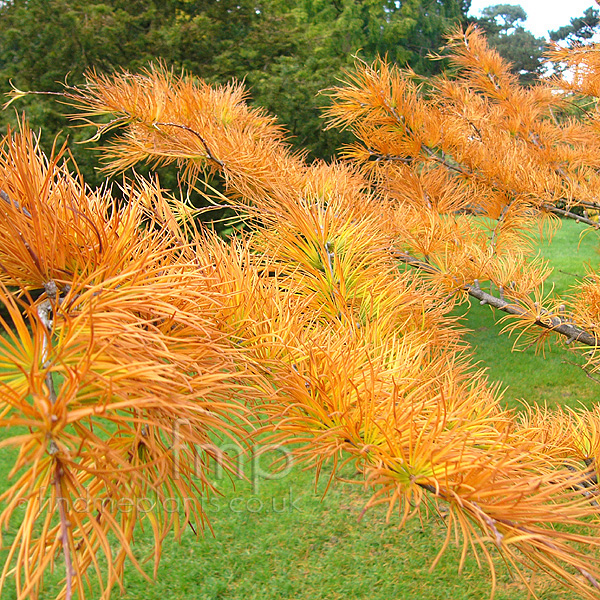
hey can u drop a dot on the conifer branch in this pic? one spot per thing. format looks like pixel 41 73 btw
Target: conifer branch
pixel 588 204
pixel 376 157
pixel 209 153
pixel 550 322
pixel 64 531
pixel 461 170
pixel 499 222
pixel 480 516
pixel 443 160
pixel 570 215
pixel 4 196
pixel 46 313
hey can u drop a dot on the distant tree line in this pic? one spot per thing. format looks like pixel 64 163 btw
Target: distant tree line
pixel 503 25
pixel 284 50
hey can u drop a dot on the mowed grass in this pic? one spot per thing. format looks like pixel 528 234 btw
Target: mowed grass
pixel 281 539
pixel 553 377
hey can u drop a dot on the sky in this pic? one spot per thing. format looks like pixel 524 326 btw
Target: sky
pixel 542 15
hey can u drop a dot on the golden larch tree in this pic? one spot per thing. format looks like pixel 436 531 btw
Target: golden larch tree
pixel 327 324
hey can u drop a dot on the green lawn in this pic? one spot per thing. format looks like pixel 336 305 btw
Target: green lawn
pixel 524 374
pixel 285 541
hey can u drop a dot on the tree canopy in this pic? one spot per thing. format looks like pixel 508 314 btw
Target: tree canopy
pixel 579 29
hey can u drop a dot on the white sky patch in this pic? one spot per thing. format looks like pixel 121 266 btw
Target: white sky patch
pixel 542 15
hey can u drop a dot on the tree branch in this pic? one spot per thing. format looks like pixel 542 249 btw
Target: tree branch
pixel 4 196
pixel 476 512
pixel 209 154
pixel 45 313
pixel 587 204
pixel 64 531
pixel 550 322
pixel 443 160
pixel 570 215
pixel 376 157
pixel 499 222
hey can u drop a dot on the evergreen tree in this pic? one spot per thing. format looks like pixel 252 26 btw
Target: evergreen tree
pixel 579 29
pixel 502 24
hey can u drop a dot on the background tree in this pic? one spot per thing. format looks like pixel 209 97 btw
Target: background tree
pixel 503 25
pixel 45 43
pixel 580 29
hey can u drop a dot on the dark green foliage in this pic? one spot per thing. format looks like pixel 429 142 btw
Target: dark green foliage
pixel 44 43
pixel 286 51
pixel 580 29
